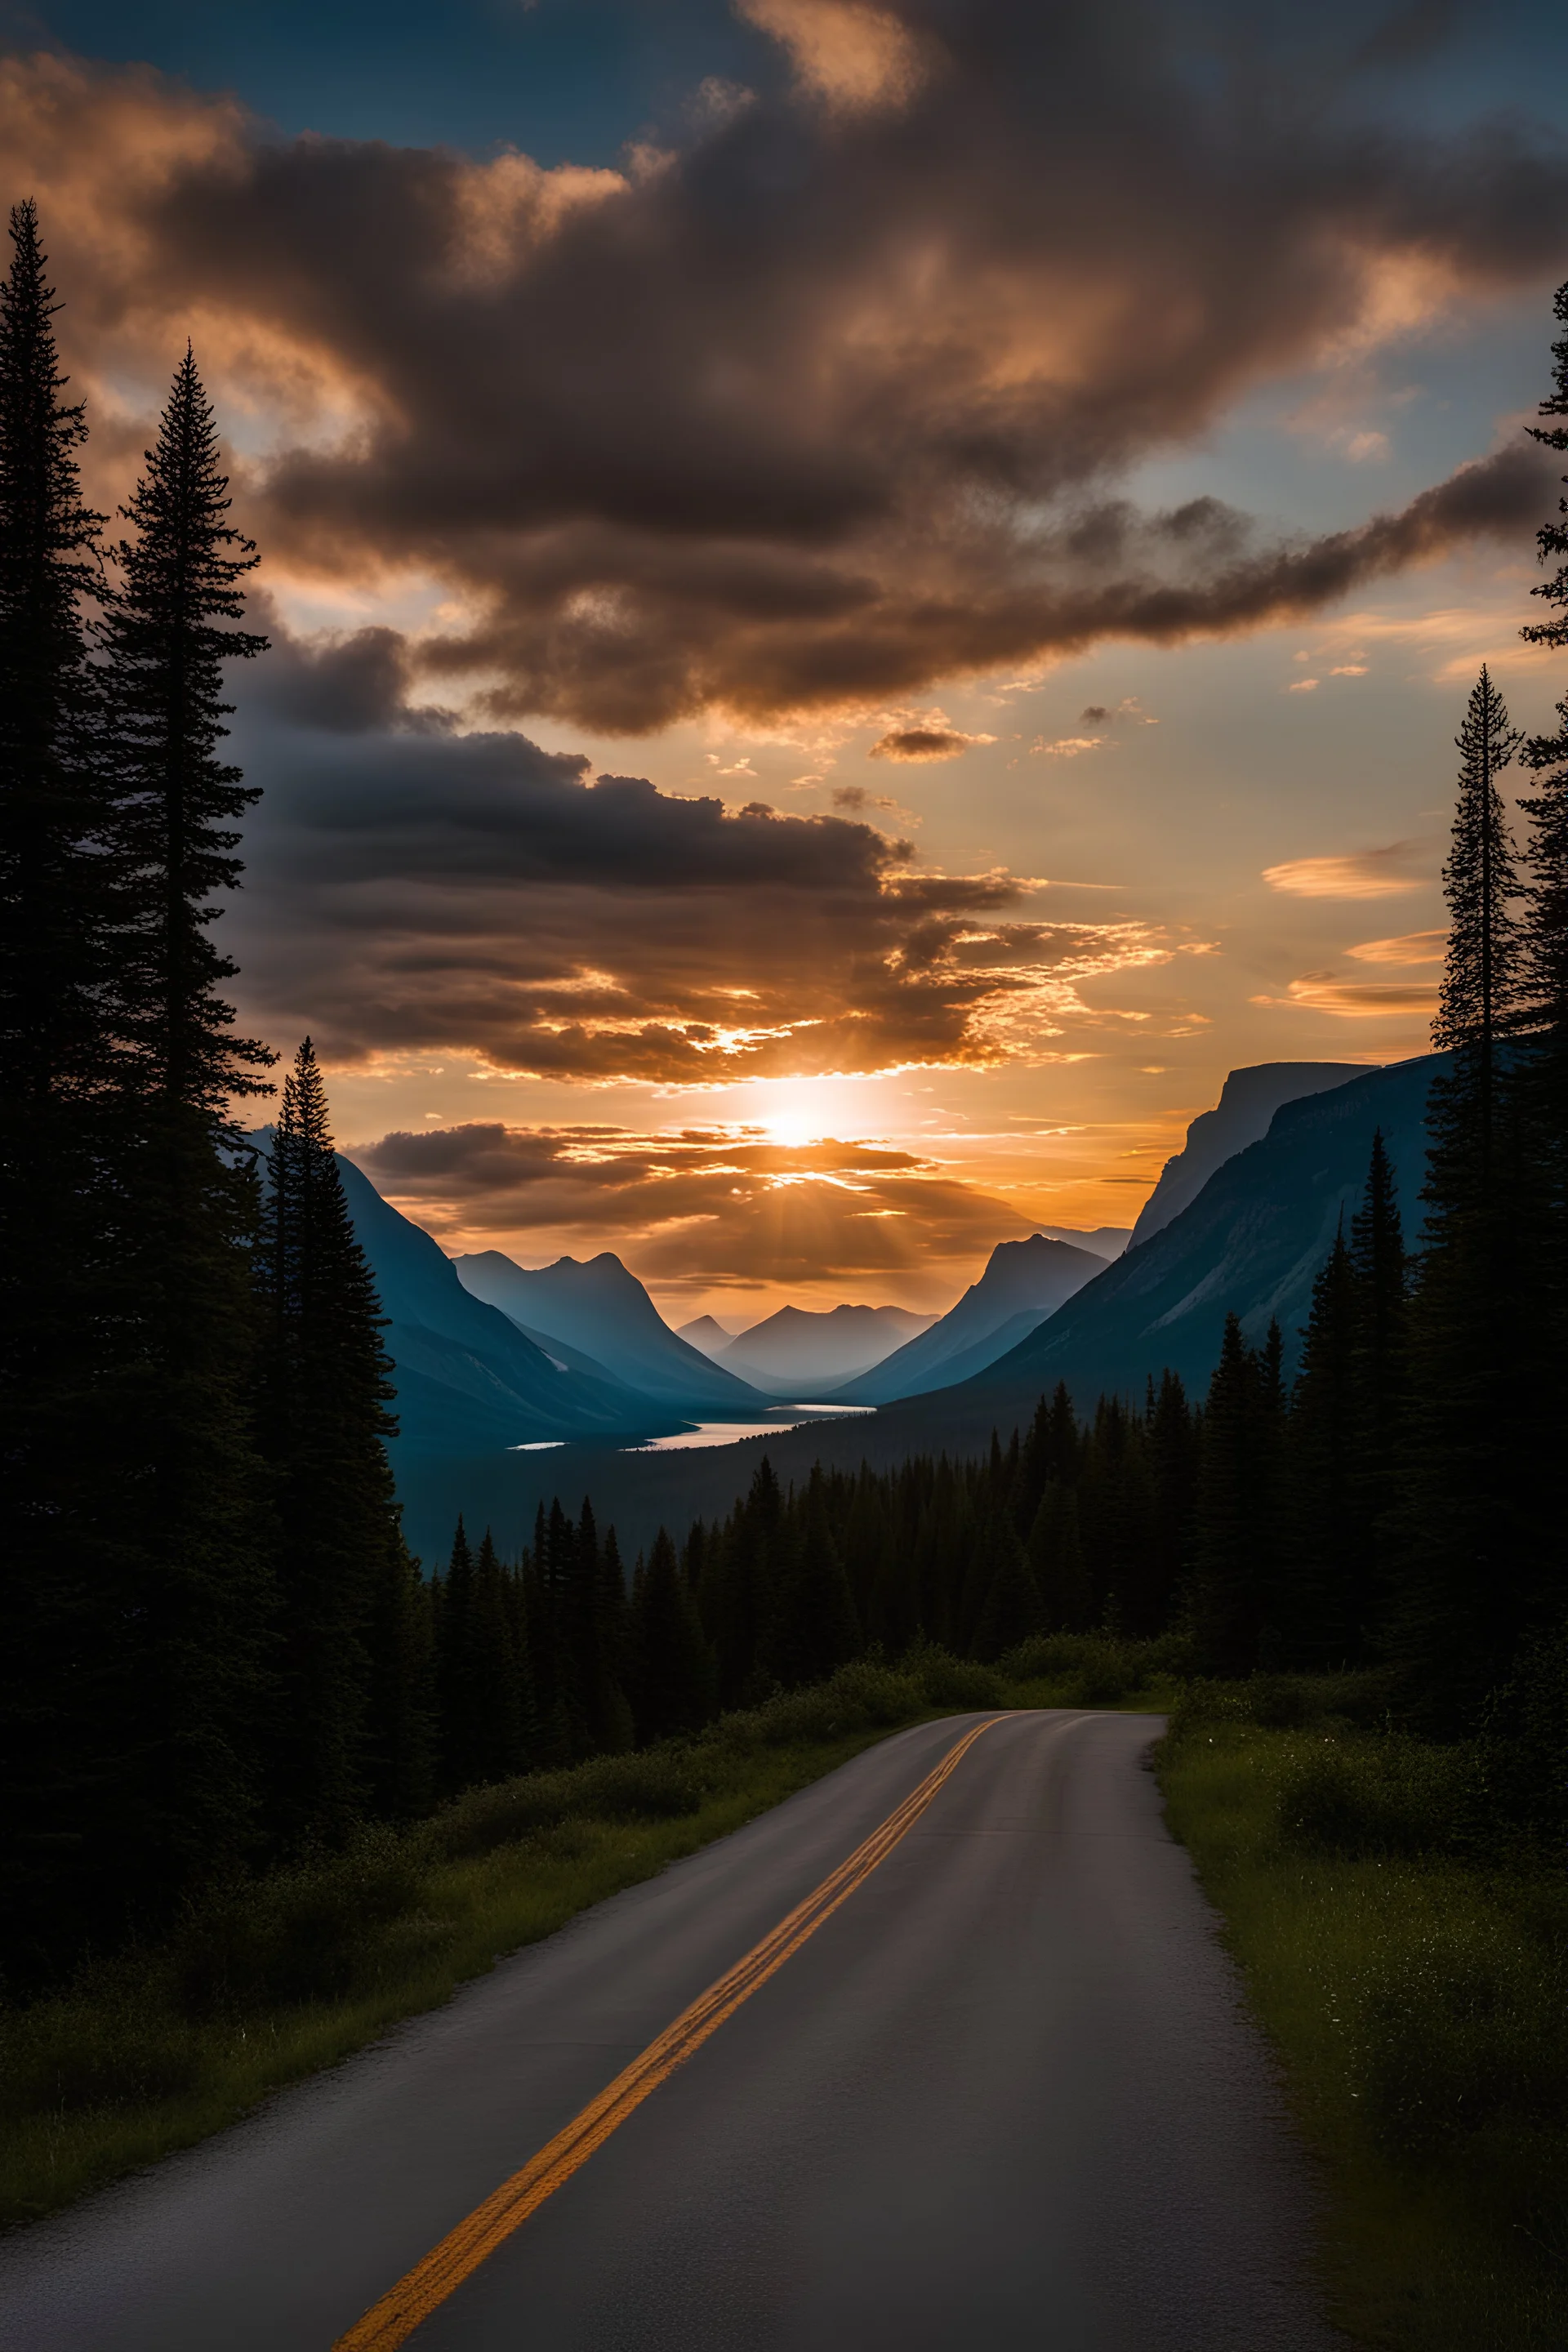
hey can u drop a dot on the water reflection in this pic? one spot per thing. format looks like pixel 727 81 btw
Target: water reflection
pixel 730 1432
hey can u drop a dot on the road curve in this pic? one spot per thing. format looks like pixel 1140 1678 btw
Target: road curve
pixel 1003 2093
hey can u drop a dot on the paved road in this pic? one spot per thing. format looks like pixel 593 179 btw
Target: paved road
pixel 1003 2095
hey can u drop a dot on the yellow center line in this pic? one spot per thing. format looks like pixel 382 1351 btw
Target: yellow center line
pixel 410 2303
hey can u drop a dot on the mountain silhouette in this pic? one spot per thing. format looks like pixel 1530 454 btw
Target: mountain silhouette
pixel 804 1351
pixel 598 1307
pixel 468 1379
pixel 1247 1101
pixel 1023 1283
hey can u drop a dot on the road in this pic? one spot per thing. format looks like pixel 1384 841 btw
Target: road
pixel 1002 2093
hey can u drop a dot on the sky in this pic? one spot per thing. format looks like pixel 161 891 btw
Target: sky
pixel 864 598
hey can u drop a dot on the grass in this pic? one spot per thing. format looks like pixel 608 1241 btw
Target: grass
pixel 267 1983
pixel 1409 1959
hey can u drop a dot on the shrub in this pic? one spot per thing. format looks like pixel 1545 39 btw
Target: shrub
pixel 944 1680
pixel 1388 1796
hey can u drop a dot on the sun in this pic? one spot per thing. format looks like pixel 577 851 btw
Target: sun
pixel 788 1128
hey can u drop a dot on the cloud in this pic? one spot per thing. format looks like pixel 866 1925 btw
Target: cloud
pixel 924 743
pixel 855 797
pixel 1093 714
pixel 1415 947
pixel 817 403
pixel 701 1206
pixel 414 889
pixel 1066 746
pixel 1355 999
pixel 846 52
pixel 1365 874
pixel 1302 686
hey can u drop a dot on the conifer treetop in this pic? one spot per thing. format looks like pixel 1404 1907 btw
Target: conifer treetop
pixel 1551 539
pixel 1481 882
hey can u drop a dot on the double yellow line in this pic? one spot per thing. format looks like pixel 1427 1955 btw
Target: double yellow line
pixel 407 2305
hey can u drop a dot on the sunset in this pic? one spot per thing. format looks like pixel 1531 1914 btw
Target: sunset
pixel 784 975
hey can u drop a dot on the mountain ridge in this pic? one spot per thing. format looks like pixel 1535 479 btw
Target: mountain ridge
pixel 598 1306
pixel 1022 1278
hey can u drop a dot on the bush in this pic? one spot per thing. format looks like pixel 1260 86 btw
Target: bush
pixel 1096 1669
pixel 314 1932
pixel 942 1680
pixel 1386 1796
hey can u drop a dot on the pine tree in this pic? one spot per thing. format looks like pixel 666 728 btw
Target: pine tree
pixel 1238 1532
pixel 1469 1550
pixel 1173 1449
pixel 481 1679
pixel 1324 1607
pixel 190 1712
pixel 1382 1270
pixel 673 1666
pixel 401 1726
pixel 1013 1609
pixel 1544 1087
pixel 1551 541
pixel 1056 1561
pixel 1480 1000
pixel 60 1756
pixel 810 1625
pixel 326 1391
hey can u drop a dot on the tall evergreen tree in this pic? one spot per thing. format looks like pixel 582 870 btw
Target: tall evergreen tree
pixel 1478 1004
pixel 1382 1269
pixel 1551 540
pixel 197 1596
pixel 1325 1604
pixel 673 1666
pixel 58 1263
pixel 1469 1551
pixel 810 1624
pixel 325 1423
pixel 1238 1520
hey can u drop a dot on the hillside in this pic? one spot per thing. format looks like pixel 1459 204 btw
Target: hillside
pixel 800 1351
pixel 1023 1283
pixel 468 1379
pixel 598 1307
pixel 1249 1100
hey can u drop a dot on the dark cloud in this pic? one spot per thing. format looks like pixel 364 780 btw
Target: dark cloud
pixel 704 1206
pixel 419 891
pixel 919 743
pixel 824 404
pixel 347 684
pixel 1093 714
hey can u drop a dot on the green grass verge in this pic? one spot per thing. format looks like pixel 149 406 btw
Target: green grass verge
pixel 1416 1987
pixel 269 1981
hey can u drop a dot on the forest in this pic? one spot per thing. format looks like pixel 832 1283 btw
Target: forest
pixel 218 1655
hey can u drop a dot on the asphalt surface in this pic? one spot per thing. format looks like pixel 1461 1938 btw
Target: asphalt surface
pixel 1006 2094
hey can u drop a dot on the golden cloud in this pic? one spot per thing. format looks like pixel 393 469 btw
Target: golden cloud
pixel 1415 947
pixel 1355 999
pixel 1363 874
pixel 694 1208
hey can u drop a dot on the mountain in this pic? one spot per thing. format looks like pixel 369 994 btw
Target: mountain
pixel 1105 1241
pixel 1252 1239
pixel 798 1350
pixel 598 1307
pixel 1249 1100
pixel 1023 1283
pixel 467 1380
pixel 709 1338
